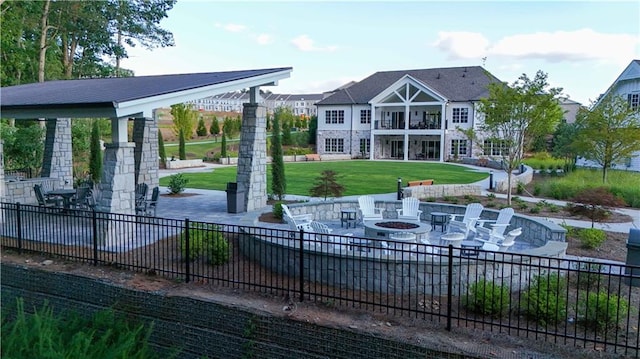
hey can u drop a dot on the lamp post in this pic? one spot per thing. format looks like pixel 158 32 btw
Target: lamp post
pixel 490 179
pixel 399 188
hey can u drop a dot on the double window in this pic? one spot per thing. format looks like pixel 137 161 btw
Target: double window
pixel 459 148
pixel 460 115
pixel 634 100
pixel 365 145
pixel 495 148
pixel 334 145
pixel 365 116
pixel 334 116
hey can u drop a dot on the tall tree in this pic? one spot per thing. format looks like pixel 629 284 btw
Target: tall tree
pixel 513 115
pixel 563 144
pixel 223 143
pixel 95 154
pixel 608 133
pixel 183 119
pixel 313 129
pixel 278 181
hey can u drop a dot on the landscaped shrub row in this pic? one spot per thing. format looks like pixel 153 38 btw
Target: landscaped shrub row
pixel 545 301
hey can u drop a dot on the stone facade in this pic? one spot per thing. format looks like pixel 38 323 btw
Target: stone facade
pixel 145 137
pixel 436 191
pixel 117 186
pixel 58 156
pixel 252 163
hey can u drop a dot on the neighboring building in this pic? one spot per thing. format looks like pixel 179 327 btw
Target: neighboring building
pixel 570 109
pixel 406 115
pixel 626 85
pixel 233 102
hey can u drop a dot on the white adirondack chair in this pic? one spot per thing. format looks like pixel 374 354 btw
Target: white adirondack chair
pixel 498 226
pixel 295 225
pixel 326 240
pixel 302 220
pixel 409 210
pixel 468 222
pixel 502 244
pixel 368 209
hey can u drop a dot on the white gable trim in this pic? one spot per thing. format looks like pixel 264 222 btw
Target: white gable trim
pixel 407 80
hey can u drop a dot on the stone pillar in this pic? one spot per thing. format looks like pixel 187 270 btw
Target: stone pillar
pixel 252 156
pixel 57 161
pixel 117 186
pixel 145 137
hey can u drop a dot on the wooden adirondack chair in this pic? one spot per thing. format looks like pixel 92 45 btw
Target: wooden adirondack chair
pixel 468 222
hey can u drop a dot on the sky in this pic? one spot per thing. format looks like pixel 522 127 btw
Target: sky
pixel 583 46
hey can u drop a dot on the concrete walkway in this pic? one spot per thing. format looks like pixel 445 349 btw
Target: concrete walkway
pixel 211 205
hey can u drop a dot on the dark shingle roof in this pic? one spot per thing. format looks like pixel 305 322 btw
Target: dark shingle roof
pixel 115 90
pixel 454 83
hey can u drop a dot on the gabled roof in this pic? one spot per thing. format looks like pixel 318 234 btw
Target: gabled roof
pixel 454 83
pixel 125 96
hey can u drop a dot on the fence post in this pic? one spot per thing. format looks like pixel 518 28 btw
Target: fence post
pixel 94 220
pixel 187 272
pixel 301 269
pixel 19 229
pixel 449 285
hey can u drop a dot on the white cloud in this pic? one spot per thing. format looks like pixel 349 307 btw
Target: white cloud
pixel 462 45
pixel 264 39
pixel 305 43
pixel 558 46
pixel 232 27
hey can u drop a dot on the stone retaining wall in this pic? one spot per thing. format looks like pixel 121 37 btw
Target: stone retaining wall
pixel 437 191
pixel 22 191
pixel 201 327
pixel 176 164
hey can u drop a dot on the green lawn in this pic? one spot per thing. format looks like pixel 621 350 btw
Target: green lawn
pixel 198 148
pixel 358 177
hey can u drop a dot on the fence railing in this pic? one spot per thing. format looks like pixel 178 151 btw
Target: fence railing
pixel 574 302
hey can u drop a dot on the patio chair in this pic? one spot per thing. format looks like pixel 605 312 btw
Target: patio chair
pixel 368 209
pixel 141 197
pixel 80 200
pixel 295 225
pixel 150 205
pixel 468 222
pixel 300 219
pixel 409 210
pixel 502 244
pixel 498 226
pixel 44 201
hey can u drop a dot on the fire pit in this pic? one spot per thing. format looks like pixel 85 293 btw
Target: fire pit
pixel 397 225
pixel 382 229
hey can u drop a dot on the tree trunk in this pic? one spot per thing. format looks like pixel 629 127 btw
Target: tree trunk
pixel 509 170
pixel 43 41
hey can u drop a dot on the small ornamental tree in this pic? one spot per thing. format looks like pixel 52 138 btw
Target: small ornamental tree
pixel 95 154
pixel 595 203
pixel 327 185
pixel 214 129
pixel 223 143
pixel 182 151
pixel 286 134
pixel 278 181
pixel 161 150
pixel 201 130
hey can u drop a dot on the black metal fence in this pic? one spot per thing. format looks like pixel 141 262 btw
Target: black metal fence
pixel 574 302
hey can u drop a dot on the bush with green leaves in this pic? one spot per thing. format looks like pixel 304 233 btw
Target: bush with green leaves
pixel 46 334
pixel 177 183
pixel 591 238
pixel 588 276
pixel 205 241
pixel 544 300
pixel 601 310
pixel 488 298
pixel 277 210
